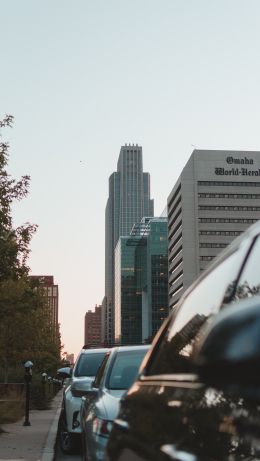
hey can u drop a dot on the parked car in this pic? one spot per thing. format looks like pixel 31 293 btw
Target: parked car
pixel 100 404
pixel 80 379
pixel 197 395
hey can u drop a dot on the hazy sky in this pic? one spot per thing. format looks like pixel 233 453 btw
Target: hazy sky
pixel 83 78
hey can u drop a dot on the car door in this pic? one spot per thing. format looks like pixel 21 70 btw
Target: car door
pixel 168 413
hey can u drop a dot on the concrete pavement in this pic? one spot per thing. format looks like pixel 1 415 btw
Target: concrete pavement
pixel 35 442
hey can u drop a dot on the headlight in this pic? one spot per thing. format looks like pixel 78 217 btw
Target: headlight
pixel 102 427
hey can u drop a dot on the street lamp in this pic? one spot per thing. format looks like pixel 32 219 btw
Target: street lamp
pixel 27 378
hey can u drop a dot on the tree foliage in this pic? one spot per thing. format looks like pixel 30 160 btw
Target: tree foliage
pixel 25 327
pixel 14 243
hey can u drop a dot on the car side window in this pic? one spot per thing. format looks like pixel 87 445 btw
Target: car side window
pixel 249 281
pixel 205 300
pixel 100 373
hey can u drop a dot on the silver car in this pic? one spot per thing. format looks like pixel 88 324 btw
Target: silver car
pixel 100 404
pixel 81 377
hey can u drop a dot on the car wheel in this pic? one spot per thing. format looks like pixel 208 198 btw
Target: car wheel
pixel 66 439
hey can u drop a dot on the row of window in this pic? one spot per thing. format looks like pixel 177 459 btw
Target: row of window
pixel 177 192
pixel 212 195
pixel 177 290
pixel 176 278
pixel 206 258
pixel 229 183
pixel 176 253
pixel 175 218
pixel 175 232
pixel 216 232
pixel 176 266
pixel 213 245
pixel 237 220
pixel 176 240
pixel 174 208
pixel 229 208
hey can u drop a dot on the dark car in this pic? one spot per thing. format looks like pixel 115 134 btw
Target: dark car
pixel 197 396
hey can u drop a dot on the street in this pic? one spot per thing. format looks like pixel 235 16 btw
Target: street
pixel 60 456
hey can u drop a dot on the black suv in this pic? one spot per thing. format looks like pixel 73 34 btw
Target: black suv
pixel 197 396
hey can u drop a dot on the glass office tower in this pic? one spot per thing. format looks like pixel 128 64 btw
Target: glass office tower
pixel 128 291
pixel 128 201
pixel 141 282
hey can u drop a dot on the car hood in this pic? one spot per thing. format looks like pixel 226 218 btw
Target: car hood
pixel 108 405
pixel 86 379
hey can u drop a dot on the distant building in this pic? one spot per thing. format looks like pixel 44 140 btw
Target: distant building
pixel 215 199
pixel 50 294
pixel 128 201
pixel 69 359
pixel 93 328
pixel 128 291
pixel 141 282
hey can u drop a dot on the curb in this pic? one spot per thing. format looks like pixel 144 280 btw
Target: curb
pixel 48 451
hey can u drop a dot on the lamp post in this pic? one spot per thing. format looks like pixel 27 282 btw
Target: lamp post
pixel 27 378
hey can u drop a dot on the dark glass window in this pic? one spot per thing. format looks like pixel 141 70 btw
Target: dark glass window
pixel 88 364
pixel 201 304
pixel 101 370
pixel 125 368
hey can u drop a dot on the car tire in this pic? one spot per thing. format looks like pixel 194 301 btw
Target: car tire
pixel 66 439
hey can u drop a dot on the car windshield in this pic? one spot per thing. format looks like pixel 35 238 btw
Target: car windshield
pixel 88 364
pixel 125 369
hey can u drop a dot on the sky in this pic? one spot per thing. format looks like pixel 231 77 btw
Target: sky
pixel 84 77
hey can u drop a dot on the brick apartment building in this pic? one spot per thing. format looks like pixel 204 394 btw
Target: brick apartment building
pixel 92 333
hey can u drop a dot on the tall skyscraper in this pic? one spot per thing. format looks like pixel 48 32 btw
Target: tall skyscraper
pixel 215 199
pixel 128 201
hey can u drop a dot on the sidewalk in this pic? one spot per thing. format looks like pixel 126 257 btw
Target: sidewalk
pixel 35 442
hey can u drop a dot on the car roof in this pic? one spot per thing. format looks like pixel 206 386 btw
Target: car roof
pixel 93 351
pixel 130 348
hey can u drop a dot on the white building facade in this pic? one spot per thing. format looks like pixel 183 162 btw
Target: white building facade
pixel 215 199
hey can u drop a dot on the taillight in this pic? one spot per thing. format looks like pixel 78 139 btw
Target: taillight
pixel 102 427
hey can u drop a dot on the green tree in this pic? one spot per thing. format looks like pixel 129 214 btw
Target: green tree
pixel 14 242
pixel 25 327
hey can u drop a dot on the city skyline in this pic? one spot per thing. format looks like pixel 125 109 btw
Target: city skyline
pixel 83 79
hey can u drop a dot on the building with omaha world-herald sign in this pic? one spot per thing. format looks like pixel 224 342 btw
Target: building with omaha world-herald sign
pixel 215 199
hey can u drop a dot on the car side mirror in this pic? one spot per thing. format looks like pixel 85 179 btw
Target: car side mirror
pixel 64 372
pixel 229 353
pixel 91 392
